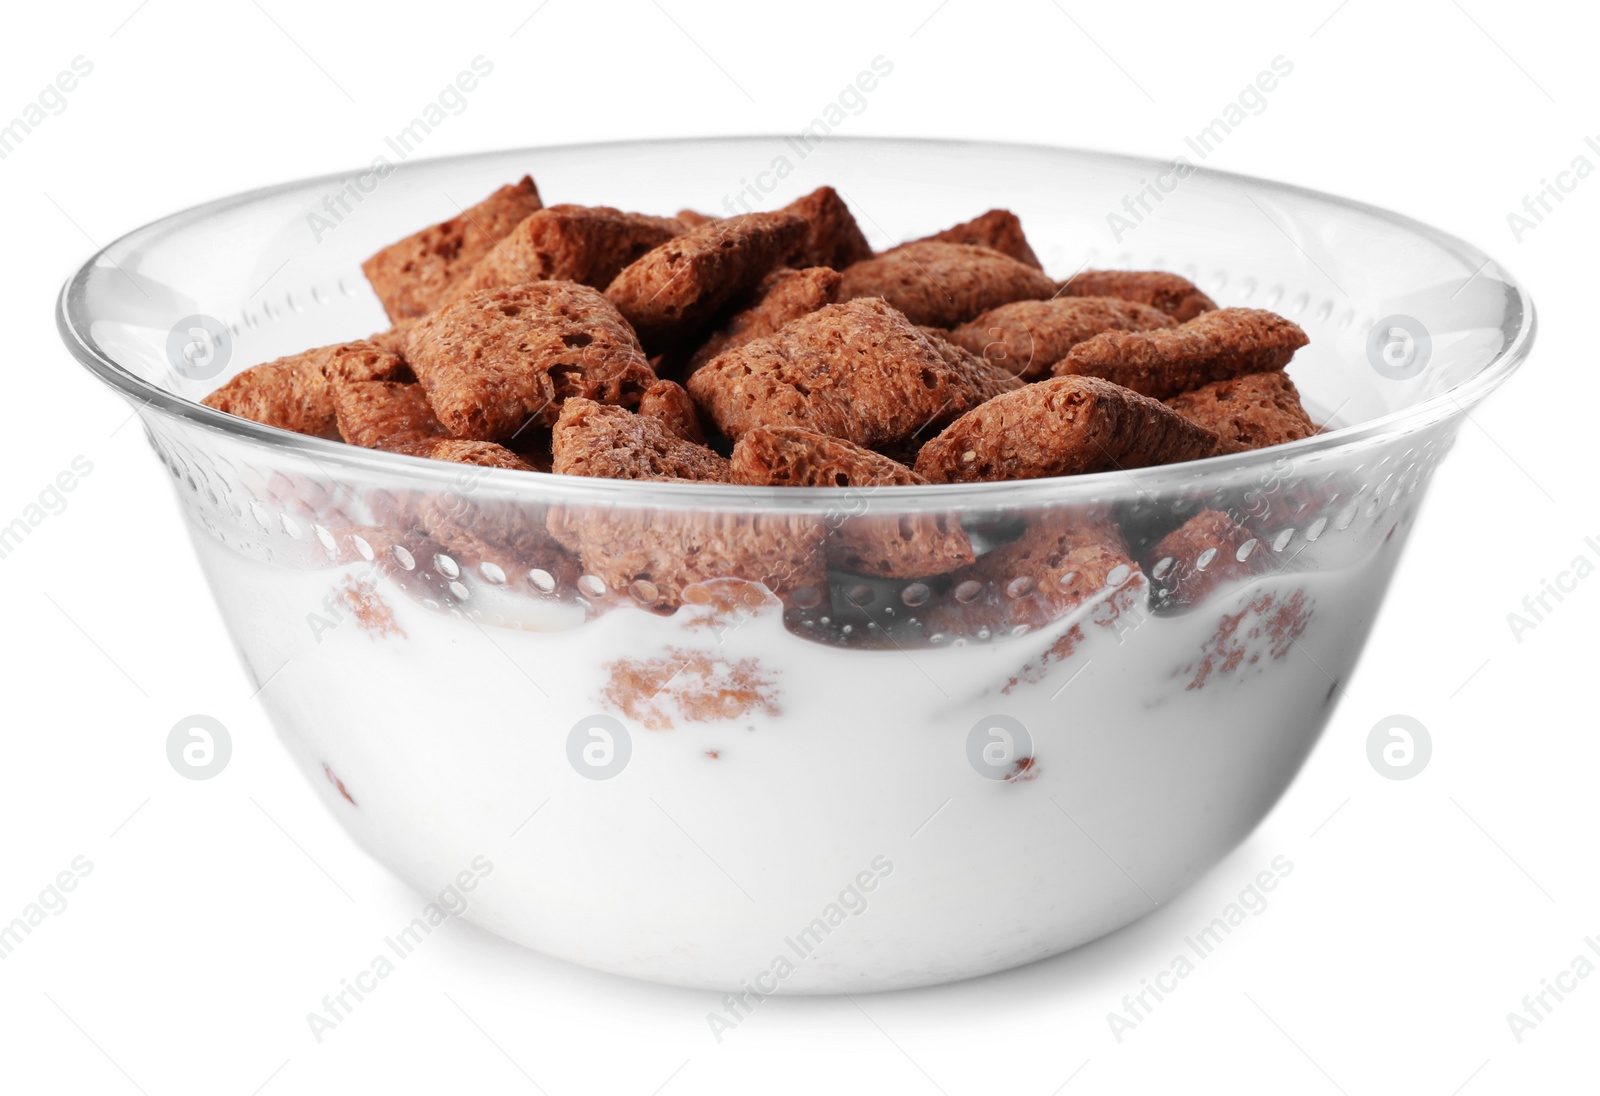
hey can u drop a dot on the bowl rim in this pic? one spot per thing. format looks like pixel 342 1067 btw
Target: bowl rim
pixel 73 320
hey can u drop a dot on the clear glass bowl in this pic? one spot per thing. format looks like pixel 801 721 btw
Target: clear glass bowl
pixel 876 783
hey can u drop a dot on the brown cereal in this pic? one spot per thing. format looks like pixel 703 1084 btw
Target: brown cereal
pixel 988 378
pixel 509 535
pixel 381 414
pixel 653 555
pixel 591 439
pixel 413 275
pixel 898 546
pixel 363 360
pixel 689 219
pixel 1205 552
pixel 393 339
pixel 942 284
pixel 999 229
pixel 495 360
pixel 1178 297
pixel 1063 559
pixel 485 454
pixel 674 289
pixel 669 403
pixel 1061 427
pixel 859 371
pixel 1029 336
pixel 1248 412
pixel 832 236
pixel 1215 346
pixel 1026 338
pixel 783 295
pixel 569 243
pixel 792 456
pixel 296 392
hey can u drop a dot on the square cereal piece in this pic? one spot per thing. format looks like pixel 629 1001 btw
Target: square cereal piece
pixel 591 439
pixel 999 229
pixel 1203 553
pixel 942 284
pixel 382 414
pixel 484 454
pixel 507 536
pixel 832 236
pixel 675 289
pixel 495 361
pixel 1177 296
pixel 568 243
pixel 988 379
pixel 1166 362
pixel 1061 427
pixel 413 275
pixel 858 371
pixel 1026 338
pixel 296 392
pixel 792 456
pixel 652 555
pixel 1063 559
pixel 1248 412
pixel 671 405
pixel 883 546
pixel 393 338
pixel 782 296
pixel 689 219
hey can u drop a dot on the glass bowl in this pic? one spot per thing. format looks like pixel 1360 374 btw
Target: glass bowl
pixel 862 783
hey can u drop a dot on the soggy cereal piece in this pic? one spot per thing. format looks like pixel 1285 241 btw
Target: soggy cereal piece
pixel 686 685
pixel 832 236
pixel 941 284
pixel 1178 297
pixel 999 229
pixel 484 454
pixel 858 371
pixel 653 555
pixel 296 392
pixel 381 414
pixel 880 545
pixel 902 546
pixel 782 296
pixel 413 276
pixel 1205 552
pixel 568 243
pixel 1061 427
pixel 679 286
pixel 499 359
pixel 1026 338
pixel 669 403
pixel 1215 346
pixel 1264 629
pixel 509 535
pixel 1248 412
pixel 1063 559
pixel 591 439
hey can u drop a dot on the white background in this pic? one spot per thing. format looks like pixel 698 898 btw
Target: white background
pixel 218 913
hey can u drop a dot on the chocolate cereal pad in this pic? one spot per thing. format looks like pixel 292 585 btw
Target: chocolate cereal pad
pixel 779 352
